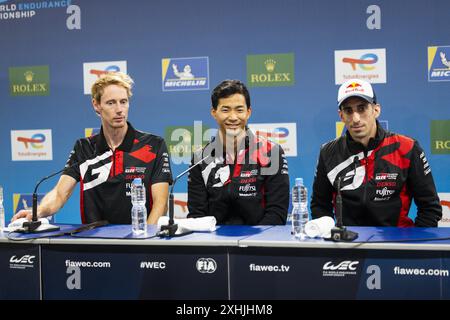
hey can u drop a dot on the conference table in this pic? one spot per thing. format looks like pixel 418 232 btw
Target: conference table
pixel 232 263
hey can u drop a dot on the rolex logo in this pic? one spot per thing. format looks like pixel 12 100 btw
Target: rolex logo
pixel 270 65
pixel 29 76
pixel 267 70
pixel 29 80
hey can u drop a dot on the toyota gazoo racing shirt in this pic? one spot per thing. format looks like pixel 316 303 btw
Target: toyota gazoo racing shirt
pixel 377 182
pixel 251 190
pixel 105 176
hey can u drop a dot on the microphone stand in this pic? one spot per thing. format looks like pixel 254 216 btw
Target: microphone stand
pixel 31 226
pixel 170 229
pixel 339 232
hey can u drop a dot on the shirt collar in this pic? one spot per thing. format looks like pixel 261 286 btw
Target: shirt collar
pixel 126 144
pixel 355 146
pixel 243 144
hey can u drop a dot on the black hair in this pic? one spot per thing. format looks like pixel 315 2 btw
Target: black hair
pixel 227 88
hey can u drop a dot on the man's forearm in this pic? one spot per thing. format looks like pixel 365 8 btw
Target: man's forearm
pixel 157 211
pixel 50 204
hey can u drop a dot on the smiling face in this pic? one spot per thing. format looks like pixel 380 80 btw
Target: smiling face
pixel 360 118
pixel 232 114
pixel 113 107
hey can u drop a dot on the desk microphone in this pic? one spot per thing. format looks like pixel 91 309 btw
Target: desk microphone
pixel 170 229
pixel 339 232
pixel 31 226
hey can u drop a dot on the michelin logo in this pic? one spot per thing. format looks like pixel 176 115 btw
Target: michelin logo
pixel 185 74
pixel 439 63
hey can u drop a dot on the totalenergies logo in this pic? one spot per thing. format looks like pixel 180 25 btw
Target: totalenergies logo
pixel 364 62
pixel 445 203
pixel 278 135
pixel 36 141
pixel 108 69
pixel 92 71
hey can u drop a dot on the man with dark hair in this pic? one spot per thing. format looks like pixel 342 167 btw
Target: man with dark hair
pixel 380 171
pixel 105 164
pixel 244 180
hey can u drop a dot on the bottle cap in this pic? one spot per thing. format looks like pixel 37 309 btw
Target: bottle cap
pixel 298 181
pixel 137 181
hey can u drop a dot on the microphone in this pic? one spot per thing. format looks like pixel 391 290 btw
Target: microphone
pixel 33 225
pixel 339 232
pixel 170 229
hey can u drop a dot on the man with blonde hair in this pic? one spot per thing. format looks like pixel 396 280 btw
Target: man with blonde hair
pixel 105 164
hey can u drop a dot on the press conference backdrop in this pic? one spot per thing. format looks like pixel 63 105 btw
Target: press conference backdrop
pixel 292 54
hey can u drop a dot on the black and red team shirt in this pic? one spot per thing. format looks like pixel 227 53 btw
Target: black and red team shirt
pixel 251 190
pixel 378 182
pixel 105 176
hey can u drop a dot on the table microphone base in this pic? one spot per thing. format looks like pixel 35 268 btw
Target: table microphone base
pixel 168 230
pixel 39 229
pixel 342 234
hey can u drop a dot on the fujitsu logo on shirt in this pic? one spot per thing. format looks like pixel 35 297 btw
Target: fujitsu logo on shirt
pixel 247 188
pixel 385 192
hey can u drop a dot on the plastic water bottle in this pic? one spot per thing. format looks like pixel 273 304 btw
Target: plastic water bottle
pixel 300 215
pixel 138 211
pixel 2 211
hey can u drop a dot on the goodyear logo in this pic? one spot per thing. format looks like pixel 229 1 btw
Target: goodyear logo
pixel 181 74
pixel 439 63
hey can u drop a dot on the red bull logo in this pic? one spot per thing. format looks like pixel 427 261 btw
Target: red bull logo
pixel 353 85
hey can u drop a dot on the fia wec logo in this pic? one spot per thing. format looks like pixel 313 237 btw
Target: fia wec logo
pixel 344 265
pixel 26 259
pixel 23 262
